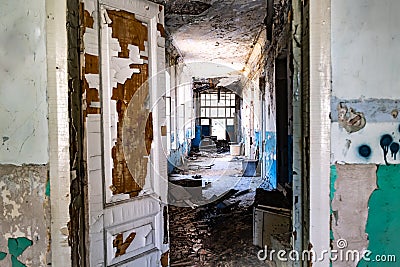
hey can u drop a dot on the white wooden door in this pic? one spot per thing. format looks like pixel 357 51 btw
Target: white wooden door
pixel 127 186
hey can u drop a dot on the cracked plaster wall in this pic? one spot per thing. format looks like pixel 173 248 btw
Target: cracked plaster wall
pixel 364 182
pixel 24 205
pixel 23 105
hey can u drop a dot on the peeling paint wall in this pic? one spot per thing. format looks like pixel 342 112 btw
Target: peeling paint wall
pixel 24 158
pixel 353 184
pixel 365 125
pixel 304 141
pixel 252 92
pixel 384 215
pixel 78 236
pixel 25 212
pixel 184 109
pixel 182 117
pixel 277 45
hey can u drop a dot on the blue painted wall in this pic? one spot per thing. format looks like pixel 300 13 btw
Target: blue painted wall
pixel 175 155
pixel 197 139
pixel 174 160
pixel 270 161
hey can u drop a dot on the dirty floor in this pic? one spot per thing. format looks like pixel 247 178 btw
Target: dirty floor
pixel 220 232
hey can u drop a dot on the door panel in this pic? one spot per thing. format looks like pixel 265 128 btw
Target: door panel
pixel 125 55
pixel 130 239
pixel 124 112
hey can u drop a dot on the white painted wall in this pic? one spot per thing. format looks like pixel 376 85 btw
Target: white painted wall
pixel 365 73
pixel 23 100
pixel 345 146
pixel 366 48
pixel 33 71
pixel 246 119
pixel 184 111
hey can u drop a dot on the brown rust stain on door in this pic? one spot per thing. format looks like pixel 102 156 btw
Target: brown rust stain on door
pixel 130 169
pixel 91 66
pixel 128 30
pixel 121 245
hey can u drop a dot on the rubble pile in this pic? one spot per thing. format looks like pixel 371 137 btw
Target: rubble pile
pixel 212 235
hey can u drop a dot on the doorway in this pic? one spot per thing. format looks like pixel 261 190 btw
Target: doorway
pixel 282 121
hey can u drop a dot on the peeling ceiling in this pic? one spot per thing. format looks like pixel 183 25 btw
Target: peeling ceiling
pixel 220 32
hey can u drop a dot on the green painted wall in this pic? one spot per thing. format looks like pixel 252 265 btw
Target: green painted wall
pixel 332 193
pixel 383 225
pixel 16 247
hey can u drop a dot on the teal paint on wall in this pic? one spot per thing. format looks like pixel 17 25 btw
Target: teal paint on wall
pixel 16 263
pixel 48 188
pixel 333 180
pixel 16 246
pixel 2 255
pixel 332 192
pixel 383 223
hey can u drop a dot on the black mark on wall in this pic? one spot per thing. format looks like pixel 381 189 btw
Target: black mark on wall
pixel 394 148
pixel 364 151
pixel 385 142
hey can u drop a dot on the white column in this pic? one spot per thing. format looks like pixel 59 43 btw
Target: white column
pixel 57 88
pixel 320 86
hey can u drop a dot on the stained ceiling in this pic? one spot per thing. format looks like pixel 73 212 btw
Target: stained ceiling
pixel 220 32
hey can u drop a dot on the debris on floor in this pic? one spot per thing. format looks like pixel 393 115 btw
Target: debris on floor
pixel 209 236
pixel 214 228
